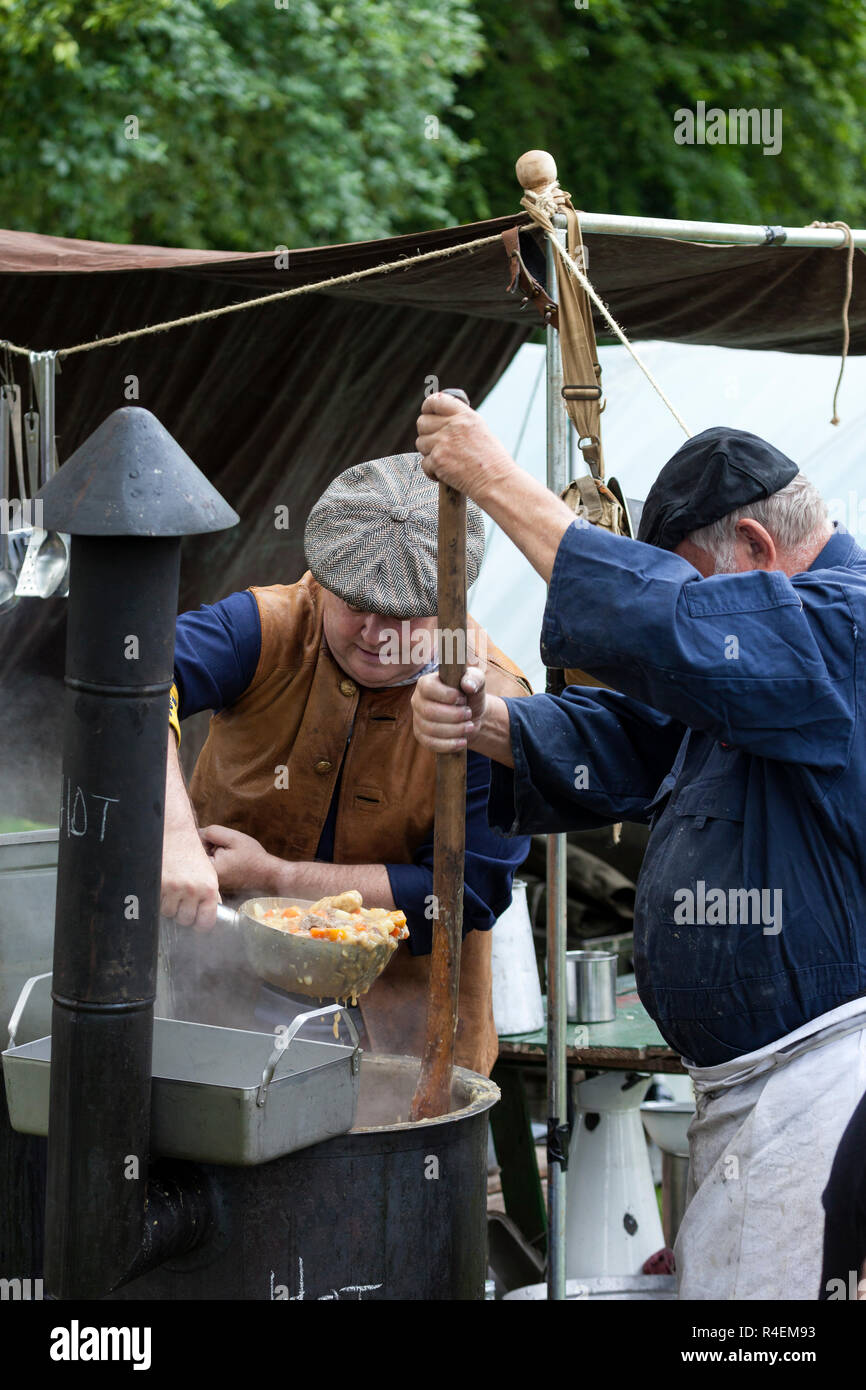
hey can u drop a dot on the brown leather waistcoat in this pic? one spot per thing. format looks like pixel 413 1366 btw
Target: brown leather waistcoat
pixel 269 768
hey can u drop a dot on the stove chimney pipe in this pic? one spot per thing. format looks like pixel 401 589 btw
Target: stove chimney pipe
pixel 126 496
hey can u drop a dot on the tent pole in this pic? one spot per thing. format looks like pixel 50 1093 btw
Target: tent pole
pixel 557 1077
pixel 720 233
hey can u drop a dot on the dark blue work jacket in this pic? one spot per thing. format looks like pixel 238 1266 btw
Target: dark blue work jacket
pixel 739 736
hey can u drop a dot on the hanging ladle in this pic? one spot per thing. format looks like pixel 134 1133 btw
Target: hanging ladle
pixel 52 559
pixel 20 526
pixel 47 559
pixel 8 581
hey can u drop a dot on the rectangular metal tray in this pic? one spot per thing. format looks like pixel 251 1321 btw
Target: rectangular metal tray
pixel 220 1095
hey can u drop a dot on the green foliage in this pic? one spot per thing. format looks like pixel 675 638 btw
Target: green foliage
pixel 28 27
pixel 599 86
pixel 257 125
pixel 300 122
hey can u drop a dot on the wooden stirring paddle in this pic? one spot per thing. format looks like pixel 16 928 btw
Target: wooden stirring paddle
pixel 433 1092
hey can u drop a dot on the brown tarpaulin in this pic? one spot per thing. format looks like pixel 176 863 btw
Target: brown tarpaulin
pixel 272 402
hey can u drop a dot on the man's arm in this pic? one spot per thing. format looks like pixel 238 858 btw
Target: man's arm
pixel 762 661
pixel 580 760
pixel 243 866
pixel 299 880
pixel 457 448
pixel 446 719
pixel 216 653
pixel 190 888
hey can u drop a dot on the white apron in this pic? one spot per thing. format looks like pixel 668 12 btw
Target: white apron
pixel 761 1146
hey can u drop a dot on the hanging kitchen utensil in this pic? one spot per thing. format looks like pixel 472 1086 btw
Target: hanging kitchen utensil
pixel 12 394
pixel 31 444
pixel 303 964
pixel 433 1092
pixel 18 537
pixel 8 596
pixel 26 586
pixel 46 564
pixel 44 570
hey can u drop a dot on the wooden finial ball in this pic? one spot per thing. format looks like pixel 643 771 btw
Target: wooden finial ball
pixel 535 169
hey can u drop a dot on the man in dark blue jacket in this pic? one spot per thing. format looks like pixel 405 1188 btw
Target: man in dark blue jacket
pixel 731 636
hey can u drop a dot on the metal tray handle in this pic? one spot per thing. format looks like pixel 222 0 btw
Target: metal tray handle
pixel 21 1004
pixel 291 1032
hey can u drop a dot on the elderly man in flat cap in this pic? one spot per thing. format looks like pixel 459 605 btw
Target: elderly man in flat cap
pixel 311 781
pixel 731 635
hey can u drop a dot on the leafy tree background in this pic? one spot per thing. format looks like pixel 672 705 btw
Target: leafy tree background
pixel 599 86
pixel 261 125
pixel 257 126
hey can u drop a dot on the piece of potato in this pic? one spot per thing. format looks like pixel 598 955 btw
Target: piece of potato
pixel 350 901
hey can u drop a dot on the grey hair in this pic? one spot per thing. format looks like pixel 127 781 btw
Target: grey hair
pixel 793 516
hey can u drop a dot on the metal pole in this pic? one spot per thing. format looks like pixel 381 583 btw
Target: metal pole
pixel 557 1079
pixel 720 233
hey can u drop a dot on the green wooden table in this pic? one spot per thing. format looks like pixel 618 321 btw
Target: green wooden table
pixel 630 1042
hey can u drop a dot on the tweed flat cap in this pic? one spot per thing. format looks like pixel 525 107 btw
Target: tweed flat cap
pixel 371 537
pixel 712 474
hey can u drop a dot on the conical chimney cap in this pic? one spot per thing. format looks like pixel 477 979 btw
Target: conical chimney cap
pixel 131 478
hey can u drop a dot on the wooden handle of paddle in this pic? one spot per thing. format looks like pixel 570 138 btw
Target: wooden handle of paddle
pixel 433 1092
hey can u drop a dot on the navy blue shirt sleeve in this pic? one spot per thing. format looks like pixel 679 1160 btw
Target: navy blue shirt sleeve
pixel 759 660
pixel 583 759
pixel 491 862
pixel 216 652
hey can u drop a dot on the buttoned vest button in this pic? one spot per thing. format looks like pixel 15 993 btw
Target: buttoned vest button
pixel 323 766
pixel 348 687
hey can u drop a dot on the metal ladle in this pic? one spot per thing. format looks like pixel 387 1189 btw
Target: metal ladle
pixel 53 557
pixel 8 580
pixel 302 964
pixel 47 559
pixel 50 565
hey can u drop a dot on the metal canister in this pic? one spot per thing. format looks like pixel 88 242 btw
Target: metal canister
pixel 517 1002
pixel 591 986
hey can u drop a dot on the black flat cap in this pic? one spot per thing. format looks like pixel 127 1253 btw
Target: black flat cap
pixel 714 473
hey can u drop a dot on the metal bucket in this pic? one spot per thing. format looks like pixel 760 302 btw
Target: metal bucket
pixel 517 1002
pixel 391 1210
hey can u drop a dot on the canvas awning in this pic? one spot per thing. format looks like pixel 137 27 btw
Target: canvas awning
pixel 272 402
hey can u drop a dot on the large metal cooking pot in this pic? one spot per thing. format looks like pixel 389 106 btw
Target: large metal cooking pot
pixel 391 1210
